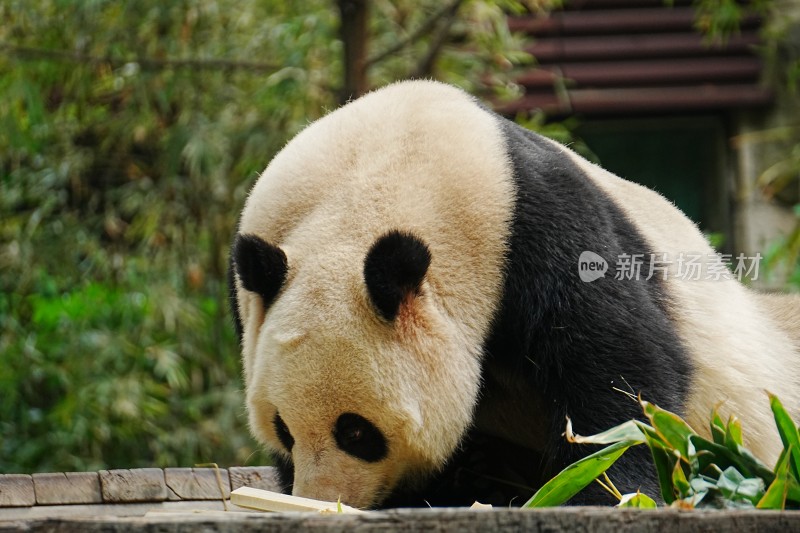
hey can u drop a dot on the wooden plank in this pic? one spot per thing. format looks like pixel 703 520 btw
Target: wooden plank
pixel 67 488
pixel 197 484
pixel 258 477
pixel 265 500
pixel 16 490
pixel 138 485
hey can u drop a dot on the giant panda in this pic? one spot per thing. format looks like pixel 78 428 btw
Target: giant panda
pixel 414 328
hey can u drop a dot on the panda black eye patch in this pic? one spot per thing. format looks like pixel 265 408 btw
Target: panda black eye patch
pixel 360 438
pixel 283 433
pixel 261 266
pixel 394 269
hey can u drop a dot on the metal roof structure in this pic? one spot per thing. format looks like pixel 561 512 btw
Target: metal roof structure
pixel 624 57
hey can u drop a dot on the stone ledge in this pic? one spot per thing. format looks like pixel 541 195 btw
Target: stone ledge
pixel 129 486
pixel 258 477
pixel 107 511
pixel 596 520
pixel 188 500
pixel 197 484
pixel 16 490
pixel 67 488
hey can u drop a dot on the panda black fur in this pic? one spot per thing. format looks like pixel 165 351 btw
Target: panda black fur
pixel 413 326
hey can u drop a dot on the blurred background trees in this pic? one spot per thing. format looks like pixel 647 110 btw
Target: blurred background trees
pixel 130 133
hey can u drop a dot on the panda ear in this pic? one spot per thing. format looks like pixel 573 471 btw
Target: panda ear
pixel 261 266
pixel 394 269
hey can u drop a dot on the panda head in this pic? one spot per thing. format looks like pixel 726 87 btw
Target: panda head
pixel 357 379
pixel 368 267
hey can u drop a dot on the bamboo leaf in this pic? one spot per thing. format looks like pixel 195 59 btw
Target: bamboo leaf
pixel 664 462
pixel 679 481
pixel 710 453
pixel 733 432
pixel 734 486
pixel 627 431
pixel 670 427
pixel 717 427
pixel 701 487
pixel 577 476
pixel 788 432
pixel 637 500
pixel 775 497
pixel 793 491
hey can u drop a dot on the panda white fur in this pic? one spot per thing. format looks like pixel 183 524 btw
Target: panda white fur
pixel 414 329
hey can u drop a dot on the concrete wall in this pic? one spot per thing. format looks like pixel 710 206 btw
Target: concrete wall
pixel 762 139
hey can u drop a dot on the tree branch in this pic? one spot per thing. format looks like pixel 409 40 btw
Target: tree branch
pixel 146 63
pixel 424 28
pixel 425 66
pixel 353 32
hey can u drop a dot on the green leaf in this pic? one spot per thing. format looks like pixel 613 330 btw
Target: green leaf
pixel 576 476
pixel 775 497
pixel 670 427
pixel 717 427
pixel 679 481
pixel 734 486
pixel 627 431
pixel 664 462
pixel 637 500
pixel 733 432
pixel 710 453
pixel 788 432
pixel 702 484
pixel 756 466
pixel 701 487
pixel 793 492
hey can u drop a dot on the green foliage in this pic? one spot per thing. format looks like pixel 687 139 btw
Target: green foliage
pixel 693 471
pixel 477 55
pixel 718 19
pixel 120 177
pixel 782 257
pixel 561 132
pixel 637 500
pixel 578 475
pixel 130 133
pixel 780 182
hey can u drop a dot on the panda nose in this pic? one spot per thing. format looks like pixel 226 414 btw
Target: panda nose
pixel 314 477
pixel 319 491
pixel 331 483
